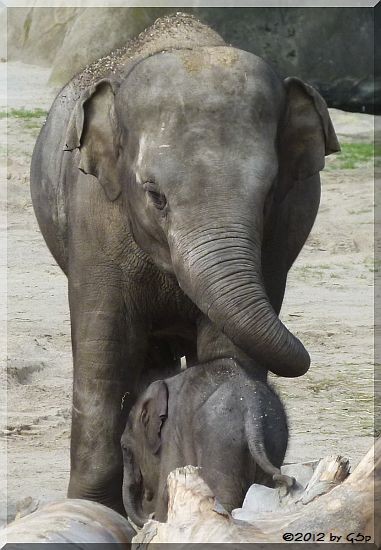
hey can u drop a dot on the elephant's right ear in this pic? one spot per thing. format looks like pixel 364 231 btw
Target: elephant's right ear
pixel 154 412
pixel 306 137
pixel 93 129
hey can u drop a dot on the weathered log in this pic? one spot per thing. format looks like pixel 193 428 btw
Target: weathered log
pixel 71 520
pixel 331 503
pixel 325 499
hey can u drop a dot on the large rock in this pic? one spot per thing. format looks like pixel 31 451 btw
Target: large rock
pixel 36 34
pixel 97 31
pixel 332 48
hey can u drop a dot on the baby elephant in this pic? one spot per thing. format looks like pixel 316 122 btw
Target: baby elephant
pixel 211 415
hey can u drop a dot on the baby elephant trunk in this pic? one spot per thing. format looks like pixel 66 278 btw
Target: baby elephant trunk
pixel 255 439
pixel 133 490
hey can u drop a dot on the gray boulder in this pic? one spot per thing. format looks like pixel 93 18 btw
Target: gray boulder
pixel 331 48
pixel 36 34
pixel 96 32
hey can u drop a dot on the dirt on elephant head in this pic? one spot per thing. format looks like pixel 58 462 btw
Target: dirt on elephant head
pixel 165 34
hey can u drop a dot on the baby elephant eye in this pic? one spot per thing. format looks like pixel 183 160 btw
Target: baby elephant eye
pixel 148 495
pixel 158 199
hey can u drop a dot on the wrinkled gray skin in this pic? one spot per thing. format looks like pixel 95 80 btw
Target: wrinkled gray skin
pixel 175 194
pixel 210 415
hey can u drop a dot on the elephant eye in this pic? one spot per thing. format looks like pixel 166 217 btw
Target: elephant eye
pixel 126 450
pixel 157 198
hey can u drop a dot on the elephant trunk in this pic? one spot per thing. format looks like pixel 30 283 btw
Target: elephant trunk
pixel 219 268
pixel 133 490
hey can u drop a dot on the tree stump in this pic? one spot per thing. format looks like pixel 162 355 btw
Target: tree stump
pixel 331 504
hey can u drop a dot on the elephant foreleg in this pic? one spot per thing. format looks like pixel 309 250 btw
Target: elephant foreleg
pixel 106 356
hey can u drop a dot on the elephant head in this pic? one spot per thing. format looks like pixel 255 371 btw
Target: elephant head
pixel 141 443
pixel 196 144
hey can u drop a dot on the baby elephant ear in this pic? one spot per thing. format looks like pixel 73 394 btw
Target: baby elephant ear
pixel 153 413
pixel 307 134
pixel 93 129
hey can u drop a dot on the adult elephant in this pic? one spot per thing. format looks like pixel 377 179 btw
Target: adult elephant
pixel 175 181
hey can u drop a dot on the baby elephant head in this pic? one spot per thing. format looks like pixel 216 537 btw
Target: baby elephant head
pixel 141 445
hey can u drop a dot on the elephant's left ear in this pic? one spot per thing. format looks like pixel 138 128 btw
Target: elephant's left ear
pixel 306 135
pixel 93 129
pixel 154 412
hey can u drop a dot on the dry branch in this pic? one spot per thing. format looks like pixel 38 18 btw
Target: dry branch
pixel 332 502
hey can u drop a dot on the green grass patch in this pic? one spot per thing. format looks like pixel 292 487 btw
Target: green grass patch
pixel 363 211
pixel 352 156
pixel 309 272
pixel 317 387
pixel 33 124
pixel 25 114
pixel 372 265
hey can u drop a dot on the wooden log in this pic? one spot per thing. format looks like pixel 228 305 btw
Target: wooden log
pixel 70 520
pixel 333 502
pixel 330 502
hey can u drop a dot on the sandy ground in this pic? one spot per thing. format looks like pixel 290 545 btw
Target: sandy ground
pixel 329 305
